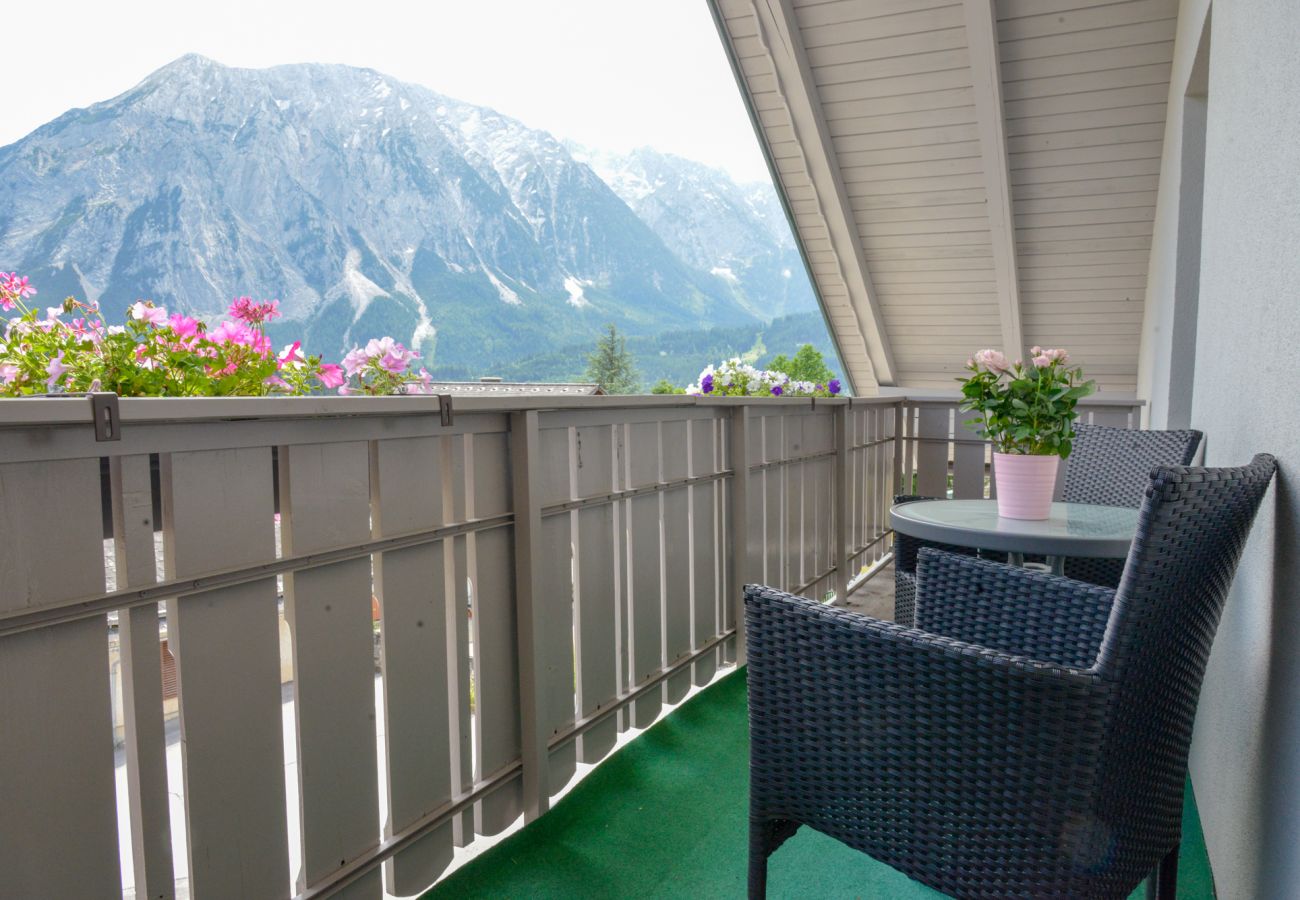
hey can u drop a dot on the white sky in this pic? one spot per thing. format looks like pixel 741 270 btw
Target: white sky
pixel 613 74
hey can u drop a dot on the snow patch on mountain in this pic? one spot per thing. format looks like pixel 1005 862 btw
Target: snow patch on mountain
pixel 576 297
pixel 506 294
pixel 359 289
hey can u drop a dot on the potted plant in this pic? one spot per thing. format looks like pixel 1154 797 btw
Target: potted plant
pixel 735 378
pixel 1027 410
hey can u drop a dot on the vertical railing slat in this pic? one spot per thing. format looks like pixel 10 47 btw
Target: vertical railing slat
pixel 737 528
pixel 526 477
pixel 325 503
pixel 58 821
pixel 932 451
pixel 645 617
pixel 842 500
pixel 415 608
pixel 676 571
pixel 553 622
pixel 496 662
pixel 597 633
pixel 142 697
pixel 217 513
pixel 967 460
pixel 456 498
pixel 703 537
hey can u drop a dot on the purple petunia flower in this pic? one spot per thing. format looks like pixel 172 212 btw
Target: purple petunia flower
pixel 833 386
pixel 706 384
pixel 776 390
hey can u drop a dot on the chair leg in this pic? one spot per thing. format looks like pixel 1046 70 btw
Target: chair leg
pixel 1163 883
pixel 758 851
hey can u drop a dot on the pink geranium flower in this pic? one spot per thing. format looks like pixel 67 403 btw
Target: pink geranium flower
pixel 146 312
pixel 55 370
pixel 184 326
pixel 246 309
pixel 13 287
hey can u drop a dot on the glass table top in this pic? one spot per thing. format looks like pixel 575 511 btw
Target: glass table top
pixel 1073 529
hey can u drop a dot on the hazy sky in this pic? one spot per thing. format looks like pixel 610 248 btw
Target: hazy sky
pixel 614 74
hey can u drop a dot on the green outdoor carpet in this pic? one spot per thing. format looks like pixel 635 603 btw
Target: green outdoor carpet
pixel 665 817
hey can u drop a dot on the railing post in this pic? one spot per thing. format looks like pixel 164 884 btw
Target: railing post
pixel 843 453
pixel 525 466
pixel 142 700
pixel 738 518
pixel 899 449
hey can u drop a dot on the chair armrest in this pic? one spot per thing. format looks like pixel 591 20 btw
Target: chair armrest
pixel 860 728
pixel 1016 610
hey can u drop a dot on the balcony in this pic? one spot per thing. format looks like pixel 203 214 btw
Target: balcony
pixel 364 634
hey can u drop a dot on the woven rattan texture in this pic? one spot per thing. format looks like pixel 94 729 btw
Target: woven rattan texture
pixel 906 548
pixel 1107 466
pixel 1044 758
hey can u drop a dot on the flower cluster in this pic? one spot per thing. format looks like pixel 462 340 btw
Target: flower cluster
pixel 383 366
pixel 156 354
pixel 737 379
pixel 1026 409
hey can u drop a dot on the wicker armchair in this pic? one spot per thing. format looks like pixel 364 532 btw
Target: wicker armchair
pixel 1108 466
pixel 1032 740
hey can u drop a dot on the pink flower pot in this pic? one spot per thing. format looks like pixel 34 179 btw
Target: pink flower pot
pixel 1025 485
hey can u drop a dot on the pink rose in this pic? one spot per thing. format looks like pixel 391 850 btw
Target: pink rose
pixel 1042 361
pixel 993 360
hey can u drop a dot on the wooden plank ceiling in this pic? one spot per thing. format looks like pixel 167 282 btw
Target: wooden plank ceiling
pixel 964 173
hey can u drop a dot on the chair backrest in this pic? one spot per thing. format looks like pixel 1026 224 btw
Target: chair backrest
pixel 1112 466
pixel 1191 531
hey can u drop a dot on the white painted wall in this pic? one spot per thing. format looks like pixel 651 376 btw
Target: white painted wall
pixel 1158 333
pixel 1246 750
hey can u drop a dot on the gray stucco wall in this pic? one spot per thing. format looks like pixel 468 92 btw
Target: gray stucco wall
pixel 1246 749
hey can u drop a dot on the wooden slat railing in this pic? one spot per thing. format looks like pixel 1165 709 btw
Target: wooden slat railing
pixel 549 571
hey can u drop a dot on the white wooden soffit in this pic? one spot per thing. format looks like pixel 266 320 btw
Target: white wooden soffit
pixel 986 78
pixel 778 33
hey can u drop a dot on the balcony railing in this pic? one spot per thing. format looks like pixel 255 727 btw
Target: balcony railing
pixel 549 572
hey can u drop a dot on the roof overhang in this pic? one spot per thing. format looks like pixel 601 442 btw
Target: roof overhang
pixel 964 173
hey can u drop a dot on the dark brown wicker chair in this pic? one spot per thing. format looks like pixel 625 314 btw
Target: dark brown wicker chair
pixel 1108 466
pixel 1031 740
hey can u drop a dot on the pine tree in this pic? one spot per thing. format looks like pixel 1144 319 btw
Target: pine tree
pixel 611 366
pixel 808 364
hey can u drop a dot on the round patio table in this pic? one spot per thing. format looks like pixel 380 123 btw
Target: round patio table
pixel 1073 529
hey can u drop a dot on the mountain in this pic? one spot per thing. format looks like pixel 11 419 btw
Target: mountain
pixel 368 206
pixel 738 233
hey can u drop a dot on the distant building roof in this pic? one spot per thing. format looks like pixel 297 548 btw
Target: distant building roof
pixel 493 388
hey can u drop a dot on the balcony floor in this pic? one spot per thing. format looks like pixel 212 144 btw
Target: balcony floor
pixel 665 817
